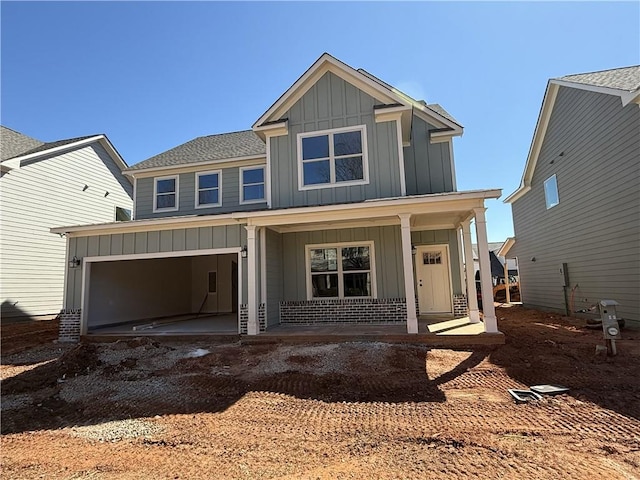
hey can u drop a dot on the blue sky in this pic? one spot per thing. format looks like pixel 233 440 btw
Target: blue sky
pixel 153 75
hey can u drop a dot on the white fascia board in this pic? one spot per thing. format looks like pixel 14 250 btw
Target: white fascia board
pixel 15 162
pixel 539 133
pixel 194 167
pixel 273 129
pixel 147 225
pixel 438 120
pixel 327 63
pixel 506 246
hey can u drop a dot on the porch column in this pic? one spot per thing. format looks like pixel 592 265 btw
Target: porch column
pixel 407 263
pixel 472 296
pixel 252 291
pixel 488 310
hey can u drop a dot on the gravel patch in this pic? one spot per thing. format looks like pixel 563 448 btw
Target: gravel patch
pixel 116 430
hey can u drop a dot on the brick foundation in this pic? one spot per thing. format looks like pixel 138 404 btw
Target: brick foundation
pixel 352 310
pixel 69 330
pixel 244 318
pixel 460 306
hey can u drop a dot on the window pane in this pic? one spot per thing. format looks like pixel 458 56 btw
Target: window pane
pixel 355 258
pixel 324 260
pixel 207 197
pixel 122 214
pixel 315 147
pixel 166 201
pixel 208 181
pixel 357 285
pixel 316 172
pixel 166 186
pixel 253 176
pixel 213 282
pixel 253 192
pixel 551 192
pixel 325 285
pixel 347 143
pixel 349 169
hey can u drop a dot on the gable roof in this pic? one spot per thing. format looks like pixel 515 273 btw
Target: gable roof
pixel 14 143
pixel 621 82
pixel 223 146
pixel 39 149
pixel 361 79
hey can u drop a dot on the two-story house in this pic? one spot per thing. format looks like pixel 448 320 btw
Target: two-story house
pixel 43 184
pixel 576 213
pixel 337 206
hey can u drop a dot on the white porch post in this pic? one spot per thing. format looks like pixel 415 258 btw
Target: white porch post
pixel 472 297
pixel 252 291
pixel 407 263
pixel 488 310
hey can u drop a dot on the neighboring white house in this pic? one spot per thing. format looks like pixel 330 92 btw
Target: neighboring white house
pixel 494 247
pixel 42 185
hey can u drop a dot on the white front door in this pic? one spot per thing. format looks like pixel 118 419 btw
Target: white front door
pixel 433 279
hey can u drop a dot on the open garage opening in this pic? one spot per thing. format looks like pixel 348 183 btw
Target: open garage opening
pixel 177 295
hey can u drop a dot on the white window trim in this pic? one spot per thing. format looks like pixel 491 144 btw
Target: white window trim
pixel 264 182
pixel 155 193
pixel 340 272
pixel 544 187
pixel 197 189
pixel 334 184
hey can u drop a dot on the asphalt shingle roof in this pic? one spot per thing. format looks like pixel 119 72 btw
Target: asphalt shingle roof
pixel 204 149
pixel 14 143
pixel 627 78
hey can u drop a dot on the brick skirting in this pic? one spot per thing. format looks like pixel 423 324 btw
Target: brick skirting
pixel 460 306
pixel 69 326
pixel 244 318
pixel 352 310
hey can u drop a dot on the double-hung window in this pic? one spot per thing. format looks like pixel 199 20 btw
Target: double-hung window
pixel 333 158
pixel 208 193
pixel 551 192
pixel 165 195
pixel 252 185
pixel 340 271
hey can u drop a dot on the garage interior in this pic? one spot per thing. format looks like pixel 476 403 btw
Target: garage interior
pixel 177 295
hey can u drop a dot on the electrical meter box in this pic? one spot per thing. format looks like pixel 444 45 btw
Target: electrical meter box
pixel 564 274
pixel 610 325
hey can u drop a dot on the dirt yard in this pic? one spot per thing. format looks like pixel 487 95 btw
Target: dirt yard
pixel 148 409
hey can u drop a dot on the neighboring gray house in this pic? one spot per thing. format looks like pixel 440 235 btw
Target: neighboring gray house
pixel 42 185
pixel 338 205
pixel 579 200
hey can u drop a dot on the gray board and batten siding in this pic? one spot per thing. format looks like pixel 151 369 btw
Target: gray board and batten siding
pixel 187 195
pixel 387 245
pixel 427 165
pixel 177 240
pixel 595 228
pixel 334 103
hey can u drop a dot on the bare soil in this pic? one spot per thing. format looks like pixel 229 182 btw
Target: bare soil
pixel 151 409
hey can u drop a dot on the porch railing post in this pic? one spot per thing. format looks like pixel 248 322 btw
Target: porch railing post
pixel 409 283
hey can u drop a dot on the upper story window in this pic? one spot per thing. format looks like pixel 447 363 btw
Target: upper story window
pixel 208 193
pixel 252 185
pixel 333 158
pixel 340 270
pixel 123 214
pixel 165 194
pixel 551 192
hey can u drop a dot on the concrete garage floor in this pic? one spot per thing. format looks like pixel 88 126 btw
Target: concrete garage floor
pixel 221 324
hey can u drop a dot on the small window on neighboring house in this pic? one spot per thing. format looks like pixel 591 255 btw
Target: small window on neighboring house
pixel 165 194
pixel 551 192
pixel 252 185
pixel 123 214
pixel 332 158
pixel 208 192
pixel 213 282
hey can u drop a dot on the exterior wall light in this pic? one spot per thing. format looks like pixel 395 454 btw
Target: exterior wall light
pixel 414 249
pixel 74 262
pixel 243 252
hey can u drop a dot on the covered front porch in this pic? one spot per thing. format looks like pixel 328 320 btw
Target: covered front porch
pixel 300 281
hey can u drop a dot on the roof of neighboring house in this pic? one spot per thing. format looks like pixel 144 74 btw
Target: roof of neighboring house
pixel 212 147
pixel 493 247
pixel 50 145
pixel 626 78
pixel 14 143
